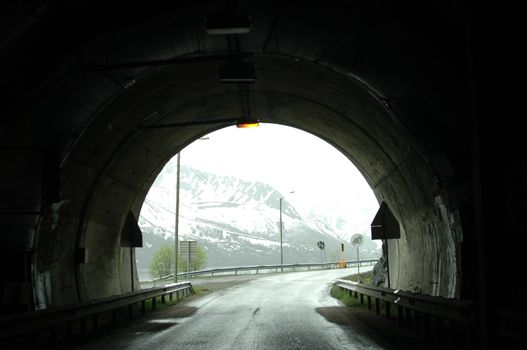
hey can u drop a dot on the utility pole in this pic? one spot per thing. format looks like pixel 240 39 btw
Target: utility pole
pixel 176 226
pixel 281 246
pixel 176 233
pixel 281 241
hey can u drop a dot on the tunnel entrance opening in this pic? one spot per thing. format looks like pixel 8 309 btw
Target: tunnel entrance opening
pixel 403 90
pixel 107 173
pixel 238 186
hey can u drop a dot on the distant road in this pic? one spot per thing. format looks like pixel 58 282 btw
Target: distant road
pixel 279 311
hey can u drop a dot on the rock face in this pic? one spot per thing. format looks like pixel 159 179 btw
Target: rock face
pixel 379 272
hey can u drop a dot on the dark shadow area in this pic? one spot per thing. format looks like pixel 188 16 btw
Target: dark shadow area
pixel 156 326
pixel 385 332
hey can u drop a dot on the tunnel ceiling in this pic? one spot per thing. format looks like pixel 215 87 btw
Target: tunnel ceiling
pixel 382 86
pixel 383 47
pixel 405 63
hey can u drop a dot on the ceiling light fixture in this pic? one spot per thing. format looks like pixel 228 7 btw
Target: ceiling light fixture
pixel 247 123
pixel 228 24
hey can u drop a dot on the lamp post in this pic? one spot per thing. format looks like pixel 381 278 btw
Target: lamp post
pixel 281 236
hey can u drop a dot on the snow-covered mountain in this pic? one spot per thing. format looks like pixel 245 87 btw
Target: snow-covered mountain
pixel 237 222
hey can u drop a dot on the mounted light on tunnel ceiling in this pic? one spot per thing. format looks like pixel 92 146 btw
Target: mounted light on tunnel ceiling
pixel 228 24
pixel 247 123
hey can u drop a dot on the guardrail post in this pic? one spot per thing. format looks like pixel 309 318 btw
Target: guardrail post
pixel 438 328
pixel 162 298
pixel 53 336
pixel 361 299
pixel 418 323
pixel 408 317
pixel 388 311
pixel 34 339
pixel 377 306
pixel 143 307
pixel 426 325
pixel 67 334
pixel 95 323
pixel 153 303
pixel 450 333
pixel 82 327
pixel 467 336
pixel 400 315
pixel 369 302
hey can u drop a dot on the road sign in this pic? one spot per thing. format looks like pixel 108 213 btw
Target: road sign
pixel 188 250
pixel 356 239
pixel 385 225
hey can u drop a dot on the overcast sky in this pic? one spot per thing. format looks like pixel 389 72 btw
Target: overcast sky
pixel 290 160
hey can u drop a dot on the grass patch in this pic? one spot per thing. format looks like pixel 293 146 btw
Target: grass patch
pixel 365 277
pixel 345 297
pixel 350 300
pixel 200 290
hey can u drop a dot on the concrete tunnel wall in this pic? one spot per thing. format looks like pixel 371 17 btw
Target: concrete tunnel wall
pixel 381 88
pixel 112 167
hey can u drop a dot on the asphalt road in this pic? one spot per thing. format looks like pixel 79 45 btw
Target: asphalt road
pixel 282 311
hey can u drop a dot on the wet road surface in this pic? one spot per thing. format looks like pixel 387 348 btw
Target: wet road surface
pixel 281 311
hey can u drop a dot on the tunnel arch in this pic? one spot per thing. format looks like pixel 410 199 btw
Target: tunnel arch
pixel 111 168
pixel 383 91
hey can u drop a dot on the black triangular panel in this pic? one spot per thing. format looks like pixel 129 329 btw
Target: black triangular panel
pixel 385 225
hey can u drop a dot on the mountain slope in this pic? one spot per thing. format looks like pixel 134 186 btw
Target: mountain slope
pixel 236 221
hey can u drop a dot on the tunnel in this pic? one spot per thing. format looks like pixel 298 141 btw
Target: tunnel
pixel 98 97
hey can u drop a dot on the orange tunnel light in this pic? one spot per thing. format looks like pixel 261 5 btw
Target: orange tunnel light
pixel 248 123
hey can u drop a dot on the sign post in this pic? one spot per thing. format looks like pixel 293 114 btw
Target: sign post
pixel 189 252
pixel 385 226
pixel 322 246
pixel 356 240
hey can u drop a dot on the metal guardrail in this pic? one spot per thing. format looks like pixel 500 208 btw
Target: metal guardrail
pixel 258 268
pixel 50 320
pixel 426 314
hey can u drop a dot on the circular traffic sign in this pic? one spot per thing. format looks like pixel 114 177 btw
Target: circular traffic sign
pixel 356 239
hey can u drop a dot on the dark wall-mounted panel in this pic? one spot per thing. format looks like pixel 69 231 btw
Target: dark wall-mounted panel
pixel 131 235
pixel 385 225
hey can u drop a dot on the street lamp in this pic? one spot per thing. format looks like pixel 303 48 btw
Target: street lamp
pixel 281 242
